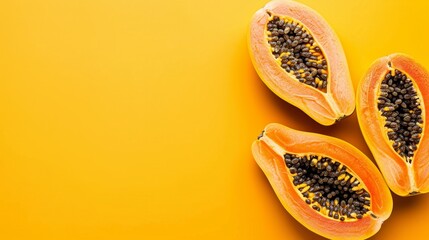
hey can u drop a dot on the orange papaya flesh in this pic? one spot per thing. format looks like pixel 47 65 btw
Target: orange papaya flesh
pixel 392 101
pixel 300 58
pixel 326 184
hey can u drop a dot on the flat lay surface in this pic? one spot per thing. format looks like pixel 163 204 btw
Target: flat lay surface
pixel 134 119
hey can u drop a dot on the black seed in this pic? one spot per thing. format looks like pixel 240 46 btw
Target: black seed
pixel 295 161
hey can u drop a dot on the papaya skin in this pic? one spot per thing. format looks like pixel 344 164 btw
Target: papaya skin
pixel 325 108
pixel 403 178
pixel 273 165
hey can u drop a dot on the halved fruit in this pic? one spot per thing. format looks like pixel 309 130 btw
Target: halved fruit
pixel 326 184
pixel 392 101
pixel 299 57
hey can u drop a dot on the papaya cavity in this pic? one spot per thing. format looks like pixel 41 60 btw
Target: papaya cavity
pixel 297 52
pixel 299 57
pixel 400 106
pixel 392 101
pixel 325 183
pixel 328 187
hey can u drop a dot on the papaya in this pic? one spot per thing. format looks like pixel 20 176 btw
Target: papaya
pixel 300 58
pixel 326 184
pixel 392 101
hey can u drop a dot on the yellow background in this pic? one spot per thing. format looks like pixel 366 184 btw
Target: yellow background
pixel 133 119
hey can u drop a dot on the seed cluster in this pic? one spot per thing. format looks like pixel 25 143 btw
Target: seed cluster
pixel 399 104
pixel 328 187
pixel 297 52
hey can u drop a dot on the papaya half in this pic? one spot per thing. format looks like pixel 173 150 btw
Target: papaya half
pixel 300 58
pixel 326 184
pixel 392 101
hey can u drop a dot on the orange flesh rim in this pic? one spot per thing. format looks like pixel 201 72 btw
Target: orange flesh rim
pixel 403 178
pixel 294 141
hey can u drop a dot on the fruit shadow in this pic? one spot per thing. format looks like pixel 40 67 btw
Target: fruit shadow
pixel 291 116
pixel 402 206
pixel 287 219
pixel 405 204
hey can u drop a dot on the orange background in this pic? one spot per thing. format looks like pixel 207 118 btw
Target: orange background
pixel 134 119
